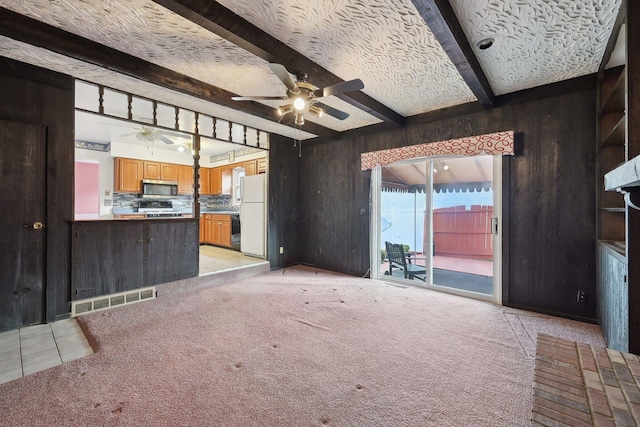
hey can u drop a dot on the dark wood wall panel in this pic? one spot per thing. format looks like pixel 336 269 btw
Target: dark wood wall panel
pixel 38 96
pixel 118 256
pixel 285 212
pixel 551 247
pixel 171 250
pixel 552 199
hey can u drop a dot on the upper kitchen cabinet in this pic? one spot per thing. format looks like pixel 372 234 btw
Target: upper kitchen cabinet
pixel 226 180
pixel 162 171
pixel 215 181
pixel 262 165
pixel 128 173
pixel 185 179
pixel 250 167
pixel 205 181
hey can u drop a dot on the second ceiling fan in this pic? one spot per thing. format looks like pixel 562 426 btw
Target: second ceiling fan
pixel 303 96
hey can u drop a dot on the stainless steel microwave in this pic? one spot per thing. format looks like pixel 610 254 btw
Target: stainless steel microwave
pixel 154 189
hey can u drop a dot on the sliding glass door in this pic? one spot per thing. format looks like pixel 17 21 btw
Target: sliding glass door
pixel 443 213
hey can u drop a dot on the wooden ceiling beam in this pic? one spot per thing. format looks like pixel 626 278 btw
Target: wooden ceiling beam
pixel 33 32
pixel 226 24
pixel 442 20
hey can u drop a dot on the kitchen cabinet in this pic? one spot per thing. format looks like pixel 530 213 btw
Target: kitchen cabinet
pixel 205 181
pixel 221 233
pixel 185 179
pixel 128 175
pixel 215 229
pixel 162 171
pixel 215 181
pixel 226 180
pixel 262 165
pixel 201 229
pixel 250 167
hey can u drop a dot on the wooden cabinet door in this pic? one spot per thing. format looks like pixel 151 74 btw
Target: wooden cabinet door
pixel 250 167
pixel 216 181
pixel 168 172
pixel 108 257
pixel 185 179
pixel 225 233
pixel 262 165
pixel 208 229
pixel 171 252
pixel 202 233
pixel 227 180
pixel 128 175
pixel 151 170
pixel 205 181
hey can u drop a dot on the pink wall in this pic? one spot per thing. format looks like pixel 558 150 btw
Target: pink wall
pixel 87 190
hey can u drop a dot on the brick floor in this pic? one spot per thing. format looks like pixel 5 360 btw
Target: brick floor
pixel 576 384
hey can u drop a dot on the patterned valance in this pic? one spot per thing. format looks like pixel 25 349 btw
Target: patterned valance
pixel 495 144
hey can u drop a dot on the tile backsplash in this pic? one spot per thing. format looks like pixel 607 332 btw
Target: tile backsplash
pixel 129 201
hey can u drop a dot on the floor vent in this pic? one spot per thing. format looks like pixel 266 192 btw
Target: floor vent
pixel 109 301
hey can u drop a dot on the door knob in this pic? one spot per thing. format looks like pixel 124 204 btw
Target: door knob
pixel 36 225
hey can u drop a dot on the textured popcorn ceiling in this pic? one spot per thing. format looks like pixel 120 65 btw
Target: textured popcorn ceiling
pixel 383 42
pixel 146 30
pixel 537 42
pixel 386 43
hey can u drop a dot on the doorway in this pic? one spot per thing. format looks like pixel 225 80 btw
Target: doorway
pixel 23 232
pixel 444 212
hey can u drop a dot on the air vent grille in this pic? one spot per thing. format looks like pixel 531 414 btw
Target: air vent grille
pixel 104 302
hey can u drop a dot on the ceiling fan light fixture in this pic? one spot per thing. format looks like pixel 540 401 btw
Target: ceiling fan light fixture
pixel 316 111
pixel 285 109
pixel 299 103
pixel 181 148
pixel 299 119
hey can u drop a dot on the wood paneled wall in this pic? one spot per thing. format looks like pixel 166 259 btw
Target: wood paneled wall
pixel 38 96
pixel 550 198
pixel 285 213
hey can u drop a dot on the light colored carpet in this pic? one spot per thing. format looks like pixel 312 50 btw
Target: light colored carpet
pixel 295 347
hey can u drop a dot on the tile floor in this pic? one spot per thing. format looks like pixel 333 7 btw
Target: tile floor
pixel 31 349
pixel 213 258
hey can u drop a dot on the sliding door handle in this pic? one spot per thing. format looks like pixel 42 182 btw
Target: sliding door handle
pixel 494 225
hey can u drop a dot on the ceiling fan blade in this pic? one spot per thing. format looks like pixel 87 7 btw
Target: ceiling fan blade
pixel 333 112
pixel 284 76
pixel 259 98
pixel 343 87
pixel 127 134
pixel 164 139
pixel 174 134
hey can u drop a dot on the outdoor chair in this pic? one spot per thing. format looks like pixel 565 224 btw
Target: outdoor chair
pixel 397 258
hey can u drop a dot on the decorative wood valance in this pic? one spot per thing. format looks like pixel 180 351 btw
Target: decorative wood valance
pixel 495 144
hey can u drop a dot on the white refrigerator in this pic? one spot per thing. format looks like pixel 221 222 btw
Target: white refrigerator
pixel 253 215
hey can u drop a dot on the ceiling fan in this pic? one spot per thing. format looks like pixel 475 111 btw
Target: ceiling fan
pixel 303 96
pixel 151 134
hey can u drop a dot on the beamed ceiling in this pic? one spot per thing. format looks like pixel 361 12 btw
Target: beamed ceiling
pixel 413 56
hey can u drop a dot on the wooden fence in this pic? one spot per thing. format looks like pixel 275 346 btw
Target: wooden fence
pixel 463 233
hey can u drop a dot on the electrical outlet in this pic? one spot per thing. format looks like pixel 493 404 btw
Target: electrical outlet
pixel 281 249
pixel 582 296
